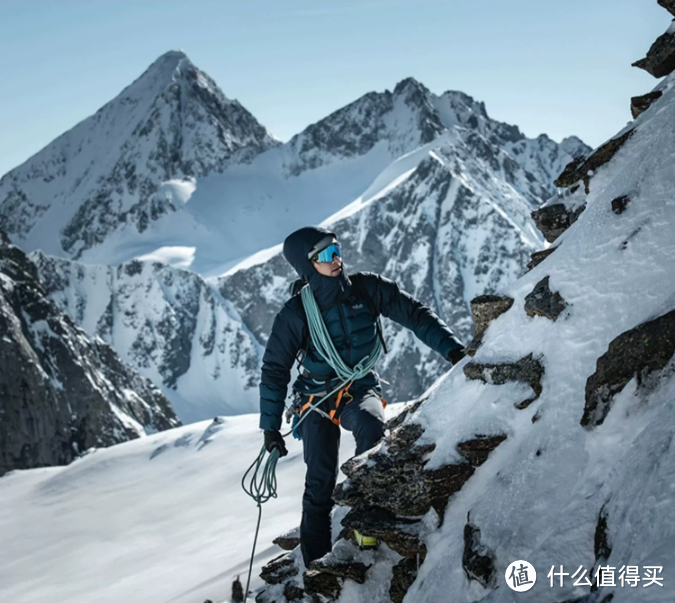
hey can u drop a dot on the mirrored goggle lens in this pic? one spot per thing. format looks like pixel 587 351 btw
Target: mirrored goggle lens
pixel 326 255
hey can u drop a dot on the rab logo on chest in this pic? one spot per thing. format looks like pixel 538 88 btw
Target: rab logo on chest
pixel 357 306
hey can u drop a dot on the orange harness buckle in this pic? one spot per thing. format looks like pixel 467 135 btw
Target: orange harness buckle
pixel 336 404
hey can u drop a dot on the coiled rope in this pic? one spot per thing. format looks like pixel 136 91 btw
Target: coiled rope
pixel 262 484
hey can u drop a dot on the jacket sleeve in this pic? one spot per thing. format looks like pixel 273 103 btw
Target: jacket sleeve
pixel 407 311
pixel 282 347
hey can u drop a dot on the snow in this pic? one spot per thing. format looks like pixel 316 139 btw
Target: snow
pixel 169 324
pixel 177 190
pixel 539 494
pixel 113 188
pixel 176 256
pixel 161 518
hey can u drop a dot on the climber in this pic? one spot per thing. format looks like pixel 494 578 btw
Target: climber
pixel 349 306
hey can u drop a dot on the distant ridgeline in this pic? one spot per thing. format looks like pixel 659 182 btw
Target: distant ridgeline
pixel 426 189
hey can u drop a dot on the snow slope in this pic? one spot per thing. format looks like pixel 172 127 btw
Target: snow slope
pixel 156 520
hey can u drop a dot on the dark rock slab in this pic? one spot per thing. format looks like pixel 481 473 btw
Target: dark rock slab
pixel 601 544
pixel 544 302
pixel 293 592
pixel 639 104
pixel 576 171
pixel 477 450
pixel 352 570
pixel 478 560
pixel 553 220
pixel 400 534
pixel 279 570
pixel 669 5
pixel 484 309
pixel 660 59
pixel 569 174
pixel 404 573
pixel 527 370
pixel 411 409
pixel 538 257
pixel 321 583
pixel 636 353
pixel 289 540
pixel 620 204
pixel 398 481
pixel 237 591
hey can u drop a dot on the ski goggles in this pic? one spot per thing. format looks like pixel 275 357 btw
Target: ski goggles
pixel 327 253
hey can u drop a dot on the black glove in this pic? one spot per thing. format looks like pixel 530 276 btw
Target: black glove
pixel 274 440
pixel 456 355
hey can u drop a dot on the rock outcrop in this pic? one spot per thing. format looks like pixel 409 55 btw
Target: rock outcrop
pixel 279 569
pixel 289 540
pixel 485 309
pixel 544 302
pixel 637 353
pixel 404 573
pixel 538 257
pixel 398 481
pixel 619 204
pixel 526 370
pixel 577 170
pixel 477 560
pixel 61 393
pixel 660 59
pixel 553 220
pixel 639 104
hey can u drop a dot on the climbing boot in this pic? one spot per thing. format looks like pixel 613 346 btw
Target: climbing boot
pixel 365 542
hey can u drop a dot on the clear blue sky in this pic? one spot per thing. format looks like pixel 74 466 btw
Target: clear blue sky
pixel 556 66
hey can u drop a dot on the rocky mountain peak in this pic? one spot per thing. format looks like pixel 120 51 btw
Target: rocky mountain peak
pixel 174 68
pixel 574 146
pixel 170 124
pixel 410 86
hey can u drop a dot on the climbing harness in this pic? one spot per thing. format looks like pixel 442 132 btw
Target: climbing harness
pixel 262 484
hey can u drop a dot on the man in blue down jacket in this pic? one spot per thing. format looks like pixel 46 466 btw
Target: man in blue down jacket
pixel 349 305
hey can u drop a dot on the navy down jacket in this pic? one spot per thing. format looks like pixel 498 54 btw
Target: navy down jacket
pixel 350 320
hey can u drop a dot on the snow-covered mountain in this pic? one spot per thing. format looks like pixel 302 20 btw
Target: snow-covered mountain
pixel 454 225
pixel 169 324
pixel 61 392
pixel 108 182
pixel 554 443
pixel 427 189
pixel 356 153
pixel 173 170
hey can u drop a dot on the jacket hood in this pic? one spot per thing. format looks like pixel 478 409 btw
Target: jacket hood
pixel 327 289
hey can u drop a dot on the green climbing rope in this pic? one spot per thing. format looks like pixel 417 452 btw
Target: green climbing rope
pixel 263 483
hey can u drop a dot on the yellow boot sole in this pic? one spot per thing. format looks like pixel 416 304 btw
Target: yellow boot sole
pixel 365 542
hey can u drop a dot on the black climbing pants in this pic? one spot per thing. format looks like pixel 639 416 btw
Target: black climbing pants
pixel 364 417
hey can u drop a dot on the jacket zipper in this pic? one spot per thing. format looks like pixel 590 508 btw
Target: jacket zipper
pixel 344 328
